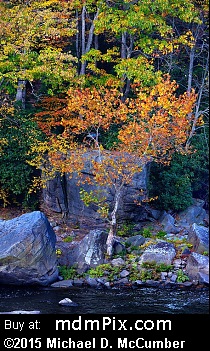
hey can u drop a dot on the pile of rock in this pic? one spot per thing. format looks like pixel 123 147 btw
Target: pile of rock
pixel 29 244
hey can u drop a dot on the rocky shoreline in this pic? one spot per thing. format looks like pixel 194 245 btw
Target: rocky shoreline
pixel 120 273
pixel 164 252
pixel 98 283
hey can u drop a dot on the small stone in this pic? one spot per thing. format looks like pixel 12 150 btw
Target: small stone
pixel 187 284
pixel 139 282
pixel 63 284
pixel 116 262
pixel 78 282
pixel 121 281
pixel 163 275
pixel 107 285
pixel 67 302
pixel 173 278
pixel 124 273
pixel 92 282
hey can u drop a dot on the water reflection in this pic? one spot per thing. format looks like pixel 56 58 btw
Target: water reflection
pixel 139 301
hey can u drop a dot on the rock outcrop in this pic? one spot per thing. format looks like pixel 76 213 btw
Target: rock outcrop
pixel 84 254
pixel 27 250
pixel 198 236
pixel 198 268
pixel 62 194
pixel 162 252
pixel 193 214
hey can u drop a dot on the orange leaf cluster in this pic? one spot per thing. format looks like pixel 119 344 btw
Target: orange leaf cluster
pixel 160 122
pixel 152 125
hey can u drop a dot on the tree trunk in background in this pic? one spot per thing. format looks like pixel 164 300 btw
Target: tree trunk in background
pixel 21 93
pixel 86 44
pixel 125 54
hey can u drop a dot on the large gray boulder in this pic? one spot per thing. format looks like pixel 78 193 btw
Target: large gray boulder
pixel 87 253
pixel 193 214
pixel 198 236
pixel 167 222
pixel 136 240
pixel 197 268
pixel 27 250
pixel 162 252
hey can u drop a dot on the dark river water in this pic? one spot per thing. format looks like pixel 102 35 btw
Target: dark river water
pixel 91 301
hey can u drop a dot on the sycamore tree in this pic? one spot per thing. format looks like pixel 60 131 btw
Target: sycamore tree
pixel 151 125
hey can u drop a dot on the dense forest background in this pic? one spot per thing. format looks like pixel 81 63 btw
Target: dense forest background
pixel 113 65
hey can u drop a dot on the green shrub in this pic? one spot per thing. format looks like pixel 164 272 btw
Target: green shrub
pixel 152 270
pixel 161 234
pixel 146 274
pixel 186 177
pixel 18 133
pixel 146 232
pixel 158 267
pixel 104 270
pixel 162 267
pixel 181 276
pixel 125 229
pixel 68 239
pixel 67 272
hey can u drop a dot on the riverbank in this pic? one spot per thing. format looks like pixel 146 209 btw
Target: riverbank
pixel 164 254
pixel 100 283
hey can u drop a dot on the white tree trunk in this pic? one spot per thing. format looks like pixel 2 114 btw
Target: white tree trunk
pixel 113 223
pixel 86 46
pixel 126 50
pixel 21 92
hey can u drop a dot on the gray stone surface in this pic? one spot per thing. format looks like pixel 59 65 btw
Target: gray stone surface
pixel 87 253
pixel 197 267
pixel 163 252
pixel 167 221
pixel 198 236
pixel 136 240
pixel 62 194
pixel 27 250
pixel 193 214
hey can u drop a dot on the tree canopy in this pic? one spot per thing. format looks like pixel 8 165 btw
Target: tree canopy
pixel 127 78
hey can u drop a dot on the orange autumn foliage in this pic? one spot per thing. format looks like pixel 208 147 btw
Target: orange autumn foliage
pixel 160 121
pixel 151 126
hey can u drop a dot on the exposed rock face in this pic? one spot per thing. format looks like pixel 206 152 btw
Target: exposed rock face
pixel 197 268
pixel 168 223
pixel 27 250
pixel 136 240
pixel 198 236
pixel 87 253
pixel 118 246
pixel 163 252
pixel 62 194
pixel 193 214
